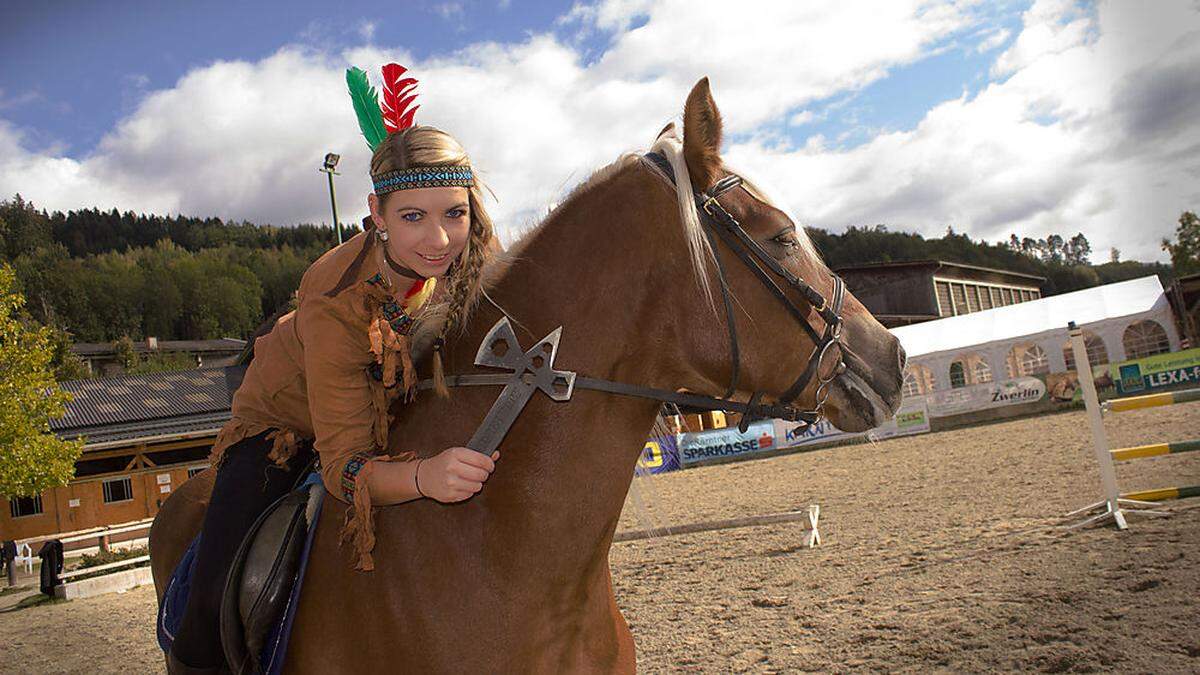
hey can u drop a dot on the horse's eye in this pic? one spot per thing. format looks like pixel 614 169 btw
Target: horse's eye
pixel 786 240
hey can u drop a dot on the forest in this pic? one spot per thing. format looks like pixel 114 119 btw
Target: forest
pixel 98 276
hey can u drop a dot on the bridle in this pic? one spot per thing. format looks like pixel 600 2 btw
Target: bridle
pixel 751 253
pixel 536 372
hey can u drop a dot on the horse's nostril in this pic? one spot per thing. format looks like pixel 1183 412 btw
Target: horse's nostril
pixel 901 354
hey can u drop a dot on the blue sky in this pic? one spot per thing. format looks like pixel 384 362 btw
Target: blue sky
pixel 106 55
pixel 1023 117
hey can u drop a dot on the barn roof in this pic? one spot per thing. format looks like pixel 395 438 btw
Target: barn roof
pixel 140 407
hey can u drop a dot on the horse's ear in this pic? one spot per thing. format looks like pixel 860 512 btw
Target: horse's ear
pixel 702 136
pixel 665 130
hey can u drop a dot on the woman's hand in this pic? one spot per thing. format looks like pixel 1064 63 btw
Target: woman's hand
pixel 454 474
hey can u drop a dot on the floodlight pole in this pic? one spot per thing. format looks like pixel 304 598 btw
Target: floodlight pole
pixel 331 161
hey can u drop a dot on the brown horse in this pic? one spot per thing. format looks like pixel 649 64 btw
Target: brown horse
pixel 517 578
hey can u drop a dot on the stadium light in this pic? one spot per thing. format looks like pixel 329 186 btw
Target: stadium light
pixel 331 162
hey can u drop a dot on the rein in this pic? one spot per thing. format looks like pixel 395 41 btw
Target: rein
pixel 535 372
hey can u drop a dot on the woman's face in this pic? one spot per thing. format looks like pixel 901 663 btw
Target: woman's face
pixel 427 227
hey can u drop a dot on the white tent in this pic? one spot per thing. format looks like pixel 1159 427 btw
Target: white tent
pixel 1106 311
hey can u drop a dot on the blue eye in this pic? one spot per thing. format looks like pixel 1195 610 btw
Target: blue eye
pixel 415 216
pixel 456 213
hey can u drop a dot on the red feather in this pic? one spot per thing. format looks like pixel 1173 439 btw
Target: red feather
pixel 398 94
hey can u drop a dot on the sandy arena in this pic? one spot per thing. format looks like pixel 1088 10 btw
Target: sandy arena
pixel 940 552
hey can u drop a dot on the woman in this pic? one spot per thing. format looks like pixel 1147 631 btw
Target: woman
pixel 325 375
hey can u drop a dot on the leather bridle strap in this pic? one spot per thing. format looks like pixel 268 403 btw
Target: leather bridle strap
pixel 754 257
pixel 751 408
pixel 725 226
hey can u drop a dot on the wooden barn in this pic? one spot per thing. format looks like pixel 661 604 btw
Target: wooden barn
pixel 904 293
pixel 144 436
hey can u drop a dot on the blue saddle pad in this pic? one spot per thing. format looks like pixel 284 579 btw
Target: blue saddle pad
pixel 170 610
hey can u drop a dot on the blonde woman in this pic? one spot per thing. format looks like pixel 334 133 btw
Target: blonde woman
pixel 325 375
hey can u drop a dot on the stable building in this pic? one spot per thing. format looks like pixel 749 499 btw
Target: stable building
pixel 1184 294
pixel 905 293
pixel 144 435
pixel 101 357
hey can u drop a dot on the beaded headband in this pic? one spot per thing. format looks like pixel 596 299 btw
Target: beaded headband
pixel 423 177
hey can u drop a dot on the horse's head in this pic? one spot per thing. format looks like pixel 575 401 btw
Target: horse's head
pixel 781 334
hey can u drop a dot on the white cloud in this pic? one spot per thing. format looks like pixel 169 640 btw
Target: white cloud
pixel 993 39
pixel 1089 132
pixel 366 30
pixel 449 10
pixel 1083 132
pixel 7 101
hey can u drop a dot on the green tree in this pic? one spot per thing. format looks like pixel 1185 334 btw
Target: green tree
pixel 1185 250
pixel 31 458
pixel 125 353
pixel 157 362
pixel 1077 250
pixel 66 364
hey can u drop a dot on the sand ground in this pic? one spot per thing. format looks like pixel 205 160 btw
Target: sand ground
pixel 941 552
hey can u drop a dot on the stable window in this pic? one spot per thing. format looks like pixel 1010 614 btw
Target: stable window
pixel 982 372
pixel 1145 338
pixel 25 506
pixel 118 490
pixel 958 377
pixel 960 299
pixel 917 380
pixel 973 298
pixel 1096 352
pixel 1034 361
pixel 945 306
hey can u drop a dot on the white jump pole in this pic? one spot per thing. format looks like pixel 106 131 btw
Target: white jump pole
pixel 1111 507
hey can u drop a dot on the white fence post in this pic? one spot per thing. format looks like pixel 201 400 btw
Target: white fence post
pixel 1111 506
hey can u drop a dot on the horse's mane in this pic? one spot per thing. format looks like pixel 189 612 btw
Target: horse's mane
pixel 670 145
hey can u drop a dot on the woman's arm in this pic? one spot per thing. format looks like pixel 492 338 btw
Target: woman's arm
pixel 450 476
pixel 349 429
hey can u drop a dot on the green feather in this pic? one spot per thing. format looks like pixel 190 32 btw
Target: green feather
pixel 366 106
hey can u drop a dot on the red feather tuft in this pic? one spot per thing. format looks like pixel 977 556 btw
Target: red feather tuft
pixel 398 94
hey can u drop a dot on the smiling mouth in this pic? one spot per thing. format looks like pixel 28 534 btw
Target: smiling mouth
pixel 434 259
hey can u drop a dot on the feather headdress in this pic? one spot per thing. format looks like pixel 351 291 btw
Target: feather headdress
pixel 394 114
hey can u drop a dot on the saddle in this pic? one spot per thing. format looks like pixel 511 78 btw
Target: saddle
pixel 264 580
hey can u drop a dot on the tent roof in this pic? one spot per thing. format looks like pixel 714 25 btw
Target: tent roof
pixel 1125 298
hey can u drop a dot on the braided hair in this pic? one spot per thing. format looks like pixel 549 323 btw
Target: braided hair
pixel 428 146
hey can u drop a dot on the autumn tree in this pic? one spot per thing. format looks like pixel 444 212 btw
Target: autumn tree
pixel 32 459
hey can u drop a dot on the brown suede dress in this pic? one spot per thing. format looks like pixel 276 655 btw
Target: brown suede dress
pixel 330 370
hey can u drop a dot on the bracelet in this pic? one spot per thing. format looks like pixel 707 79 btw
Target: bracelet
pixel 417 477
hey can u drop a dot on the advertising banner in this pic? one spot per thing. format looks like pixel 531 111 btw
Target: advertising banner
pixel 988 395
pixel 706 445
pixel 659 455
pixel 1151 373
pixel 912 418
pixel 792 434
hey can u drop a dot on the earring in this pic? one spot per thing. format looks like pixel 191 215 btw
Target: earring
pixel 382 234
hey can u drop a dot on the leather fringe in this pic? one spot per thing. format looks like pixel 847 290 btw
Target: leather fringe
pixel 359 527
pixel 284 442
